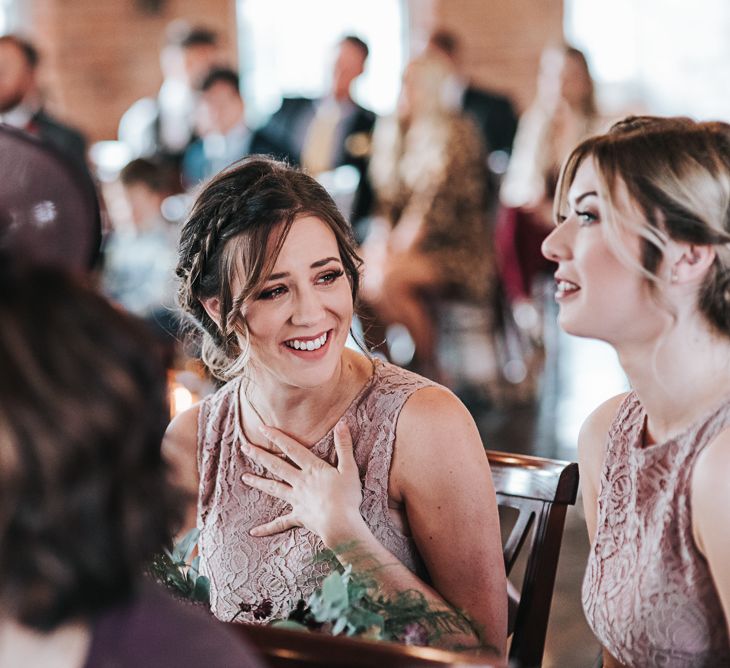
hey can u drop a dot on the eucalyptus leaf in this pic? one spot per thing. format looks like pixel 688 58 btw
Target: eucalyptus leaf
pixel 288 624
pixel 186 546
pixel 201 590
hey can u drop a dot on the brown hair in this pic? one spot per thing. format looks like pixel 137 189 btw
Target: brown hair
pixel 84 496
pixel 677 173
pixel 229 230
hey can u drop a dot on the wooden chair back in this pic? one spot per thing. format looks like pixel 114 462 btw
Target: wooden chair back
pixel 540 490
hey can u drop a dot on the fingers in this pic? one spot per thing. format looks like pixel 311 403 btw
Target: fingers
pixel 279 525
pixel 271 487
pixel 343 446
pixel 271 462
pixel 299 454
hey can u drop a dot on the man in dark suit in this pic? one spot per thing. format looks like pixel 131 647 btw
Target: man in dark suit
pixel 20 103
pixel 493 113
pixel 328 132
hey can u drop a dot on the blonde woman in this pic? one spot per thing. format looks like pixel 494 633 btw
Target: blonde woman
pixel 643 251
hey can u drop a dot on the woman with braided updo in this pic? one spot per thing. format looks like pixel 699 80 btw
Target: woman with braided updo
pixel 309 444
pixel 643 246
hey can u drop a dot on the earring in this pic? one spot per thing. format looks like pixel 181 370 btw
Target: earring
pixel 673 278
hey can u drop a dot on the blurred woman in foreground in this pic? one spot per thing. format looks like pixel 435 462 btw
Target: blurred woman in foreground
pixel 84 497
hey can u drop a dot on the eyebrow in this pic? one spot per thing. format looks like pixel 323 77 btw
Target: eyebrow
pixel 580 198
pixel 314 265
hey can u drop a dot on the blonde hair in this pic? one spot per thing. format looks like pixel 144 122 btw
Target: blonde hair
pixel 676 172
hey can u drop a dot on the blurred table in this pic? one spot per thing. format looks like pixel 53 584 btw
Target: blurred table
pixel 282 648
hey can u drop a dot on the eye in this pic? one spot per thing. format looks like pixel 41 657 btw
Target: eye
pixel 329 276
pixel 272 293
pixel 586 218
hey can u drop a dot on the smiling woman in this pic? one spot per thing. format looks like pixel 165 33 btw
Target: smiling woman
pixel 309 444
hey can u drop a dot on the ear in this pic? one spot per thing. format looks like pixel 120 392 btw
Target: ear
pixel 691 262
pixel 212 306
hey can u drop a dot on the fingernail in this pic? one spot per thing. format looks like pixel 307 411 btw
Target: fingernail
pixel 264 429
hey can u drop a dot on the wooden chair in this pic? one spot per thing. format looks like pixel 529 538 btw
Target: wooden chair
pixel 282 648
pixel 540 490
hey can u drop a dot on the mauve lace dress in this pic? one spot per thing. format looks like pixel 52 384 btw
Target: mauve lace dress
pixel 648 594
pixel 244 570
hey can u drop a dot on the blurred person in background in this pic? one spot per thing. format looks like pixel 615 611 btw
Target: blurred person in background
pixel 430 237
pixel 324 133
pixel 22 104
pixel 224 135
pixel 85 500
pixel 139 260
pixel 562 114
pixel 164 126
pixel 494 114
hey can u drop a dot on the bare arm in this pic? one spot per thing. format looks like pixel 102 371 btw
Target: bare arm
pixel 441 473
pixel 179 447
pixel 710 498
pixel 591 453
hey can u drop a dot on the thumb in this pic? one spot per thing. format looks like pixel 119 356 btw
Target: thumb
pixel 344 449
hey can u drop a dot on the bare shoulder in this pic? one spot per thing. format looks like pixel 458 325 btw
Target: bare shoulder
pixel 593 433
pixel 180 444
pixel 434 429
pixel 710 500
pixel 183 429
pixel 432 414
pixel 710 481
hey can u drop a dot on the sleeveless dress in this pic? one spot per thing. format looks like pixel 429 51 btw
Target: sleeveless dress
pixel 255 579
pixel 648 594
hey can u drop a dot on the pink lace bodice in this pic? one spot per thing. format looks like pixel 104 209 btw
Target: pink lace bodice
pixel 648 593
pixel 246 570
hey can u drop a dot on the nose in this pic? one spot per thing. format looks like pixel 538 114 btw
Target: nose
pixel 307 308
pixel 556 245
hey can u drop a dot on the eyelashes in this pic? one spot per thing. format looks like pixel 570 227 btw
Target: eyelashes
pixel 327 278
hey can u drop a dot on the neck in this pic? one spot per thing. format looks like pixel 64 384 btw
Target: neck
pixel 678 376
pixel 65 647
pixel 306 414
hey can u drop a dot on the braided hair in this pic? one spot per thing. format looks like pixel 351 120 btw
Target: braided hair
pixel 227 236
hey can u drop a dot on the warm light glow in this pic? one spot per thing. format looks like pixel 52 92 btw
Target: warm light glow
pixel 181 399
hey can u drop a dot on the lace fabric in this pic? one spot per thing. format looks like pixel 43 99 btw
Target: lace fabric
pixel 245 570
pixel 648 594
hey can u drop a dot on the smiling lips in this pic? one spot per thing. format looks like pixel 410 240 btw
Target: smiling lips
pixel 308 344
pixel 565 288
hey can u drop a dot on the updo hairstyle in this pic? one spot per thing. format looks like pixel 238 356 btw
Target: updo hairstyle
pixel 677 173
pixel 229 235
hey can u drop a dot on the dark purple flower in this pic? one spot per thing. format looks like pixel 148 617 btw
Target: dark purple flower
pixel 415 634
pixel 263 609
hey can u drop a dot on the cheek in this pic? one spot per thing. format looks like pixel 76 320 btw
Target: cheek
pixel 263 320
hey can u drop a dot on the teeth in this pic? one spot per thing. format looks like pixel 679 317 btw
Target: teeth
pixel 313 344
pixel 566 286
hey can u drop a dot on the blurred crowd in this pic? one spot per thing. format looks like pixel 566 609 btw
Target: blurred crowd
pixel 449 197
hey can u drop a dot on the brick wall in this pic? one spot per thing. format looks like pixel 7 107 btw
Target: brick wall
pixel 102 55
pixel 501 39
